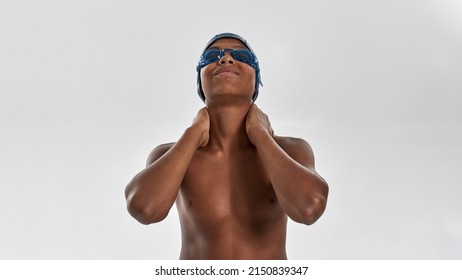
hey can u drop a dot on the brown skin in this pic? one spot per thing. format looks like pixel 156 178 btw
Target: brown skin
pixel 234 182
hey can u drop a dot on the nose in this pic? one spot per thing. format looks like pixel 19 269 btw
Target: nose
pixel 226 59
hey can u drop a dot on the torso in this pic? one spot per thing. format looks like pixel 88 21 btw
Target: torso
pixel 228 209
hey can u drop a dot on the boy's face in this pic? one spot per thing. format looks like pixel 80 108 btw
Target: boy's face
pixel 228 76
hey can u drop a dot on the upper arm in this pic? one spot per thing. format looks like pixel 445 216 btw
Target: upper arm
pixel 298 149
pixel 157 152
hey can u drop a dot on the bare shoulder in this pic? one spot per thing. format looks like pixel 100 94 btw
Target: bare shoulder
pixel 297 148
pixel 157 152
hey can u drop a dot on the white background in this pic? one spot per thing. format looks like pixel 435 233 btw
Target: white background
pixel 88 88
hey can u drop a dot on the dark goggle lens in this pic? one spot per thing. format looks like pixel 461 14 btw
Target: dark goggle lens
pixel 210 56
pixel 243 55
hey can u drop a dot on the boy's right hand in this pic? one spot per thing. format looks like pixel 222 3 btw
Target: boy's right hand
pixel 202 121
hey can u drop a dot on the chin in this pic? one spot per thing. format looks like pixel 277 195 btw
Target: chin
pixel 229 99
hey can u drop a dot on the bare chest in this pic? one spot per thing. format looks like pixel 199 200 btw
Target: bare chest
pixel 219 189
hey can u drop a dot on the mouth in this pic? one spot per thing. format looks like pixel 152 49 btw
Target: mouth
pixel 227 71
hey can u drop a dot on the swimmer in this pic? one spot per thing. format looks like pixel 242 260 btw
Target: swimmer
pixel 233 181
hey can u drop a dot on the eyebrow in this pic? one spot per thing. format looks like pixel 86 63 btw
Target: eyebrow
pixel 233 47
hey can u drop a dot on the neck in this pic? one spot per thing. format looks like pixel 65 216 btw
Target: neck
pixel 227 127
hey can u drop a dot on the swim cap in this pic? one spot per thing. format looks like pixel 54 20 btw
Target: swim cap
pixel 234 36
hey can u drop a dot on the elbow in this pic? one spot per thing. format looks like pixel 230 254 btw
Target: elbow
pixel 141 207
pixel 313 209
pixel 311 213
pixel 144 213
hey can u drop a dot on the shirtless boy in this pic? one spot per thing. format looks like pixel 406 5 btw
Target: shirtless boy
pixel 233 181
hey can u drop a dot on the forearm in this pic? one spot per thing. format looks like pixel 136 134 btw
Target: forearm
pixel 301 192
pixel 152 192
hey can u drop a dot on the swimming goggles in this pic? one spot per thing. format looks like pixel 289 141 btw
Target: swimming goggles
pixel 214 55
